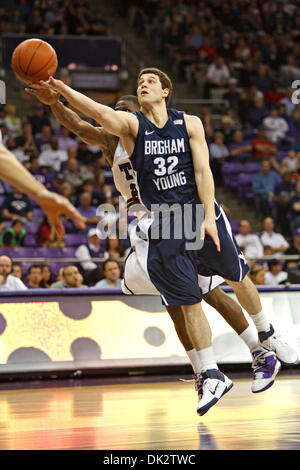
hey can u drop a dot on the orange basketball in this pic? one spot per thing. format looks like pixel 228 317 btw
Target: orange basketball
pixel 34 60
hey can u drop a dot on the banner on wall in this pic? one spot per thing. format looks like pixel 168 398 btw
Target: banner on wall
pixel 105 331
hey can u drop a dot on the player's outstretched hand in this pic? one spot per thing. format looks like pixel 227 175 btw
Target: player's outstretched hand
pixel 44 95
pixel 54 205
pixel 211 229
pixel 50 84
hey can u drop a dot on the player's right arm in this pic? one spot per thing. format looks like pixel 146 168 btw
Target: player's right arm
pixel 118 123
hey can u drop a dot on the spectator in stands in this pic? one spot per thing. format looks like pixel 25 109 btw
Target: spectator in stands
pixel 71 279
pixel 217 75
pixel 65 141
pixel 249 242
pixel 275 275
pixel 184 58
pixel 18 152
pixel 7 281
pixel 294 249
pixel 67 190
pixel 14 235
pixel 284 192
pixel 257 274
pixel 290 163
pixel 218 153
pixel 85 254
pixel 17 270
pixel 48 236
pixel 294 125
pixel 42 176
pixel 38 119
pixel 43 139
pixel 113 248
pixel 26 143
pixel 46 276
pixel 264 184
pixel 76 175
pixel 276 127
pixel 289 72
pixel 53 158
pixel 275 241
pixel 17 206
pixel 232 95
pixel 295 205
pixel 88 211
pixel 111 273
pixel 262 79
pixel 287 101
pixel 240 149
pixel 34 276
pixel 12 122
pixel 258 112
pixel 98 197
pixel 206 52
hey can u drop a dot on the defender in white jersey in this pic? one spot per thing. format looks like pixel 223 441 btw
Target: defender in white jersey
pixel 136 279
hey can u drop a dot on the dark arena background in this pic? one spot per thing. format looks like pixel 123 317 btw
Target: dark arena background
pixel 83 366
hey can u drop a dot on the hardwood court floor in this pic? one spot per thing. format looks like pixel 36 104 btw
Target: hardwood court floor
pixel 150 416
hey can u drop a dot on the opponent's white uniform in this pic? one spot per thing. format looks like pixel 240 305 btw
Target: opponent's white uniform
pixel 136 279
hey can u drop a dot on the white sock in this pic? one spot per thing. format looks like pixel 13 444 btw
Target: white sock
pixel 193 357
pixel 250 337
pixel 207 359
pixel 261 322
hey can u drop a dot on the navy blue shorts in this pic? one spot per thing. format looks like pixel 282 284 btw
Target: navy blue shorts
pixel 174 270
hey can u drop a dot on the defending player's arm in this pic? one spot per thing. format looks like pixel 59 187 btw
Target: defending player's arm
pixel 89 134
pixel 14 173
pixel 118 123
pixel 203 175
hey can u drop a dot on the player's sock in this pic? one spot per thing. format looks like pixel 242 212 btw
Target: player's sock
pixel 207 359
pixel 195 362
pixel 250 337
pixel 261 322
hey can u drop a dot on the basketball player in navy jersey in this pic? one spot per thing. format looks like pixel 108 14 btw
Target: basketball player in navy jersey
pixel 166 142
pixel 136 278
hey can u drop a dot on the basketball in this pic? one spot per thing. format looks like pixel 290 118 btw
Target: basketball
pixel 34 60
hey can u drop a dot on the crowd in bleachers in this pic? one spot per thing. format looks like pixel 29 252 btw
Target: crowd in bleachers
pixel 50 17
pixel 246 53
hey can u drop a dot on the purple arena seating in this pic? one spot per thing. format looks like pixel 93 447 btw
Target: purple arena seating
pixel 25 252
pixel 32 228
pixel 231 172
pixel 30 240
pixel 252 167
pixel 234 226
pixel 75 239
pixel 2 200
pixel 38 213
pixel 245 187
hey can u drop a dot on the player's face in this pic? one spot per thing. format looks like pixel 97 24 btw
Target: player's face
pixel 150 90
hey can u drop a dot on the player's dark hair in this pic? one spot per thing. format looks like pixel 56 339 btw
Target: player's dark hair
pixel 165 80
pixel 132 98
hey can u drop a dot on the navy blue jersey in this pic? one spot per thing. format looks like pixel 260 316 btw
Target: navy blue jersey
pixel 162 159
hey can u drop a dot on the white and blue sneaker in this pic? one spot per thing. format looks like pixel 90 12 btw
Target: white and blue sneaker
pixel 211 385
pixel 265 367
pixel 277 343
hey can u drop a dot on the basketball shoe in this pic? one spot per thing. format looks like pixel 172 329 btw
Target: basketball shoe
pixel 211 385
pixel 265 367
pixel 274 342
